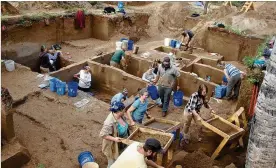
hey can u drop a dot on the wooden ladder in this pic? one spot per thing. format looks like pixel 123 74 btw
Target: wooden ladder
pixel 248 5
pixel 228 3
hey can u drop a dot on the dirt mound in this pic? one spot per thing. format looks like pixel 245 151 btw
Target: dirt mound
pixel 197 159
pixel 221 12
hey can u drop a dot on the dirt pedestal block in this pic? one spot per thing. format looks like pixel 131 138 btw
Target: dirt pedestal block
pixel 7 129
pixel 14 155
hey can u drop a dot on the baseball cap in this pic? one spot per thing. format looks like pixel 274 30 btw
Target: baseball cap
pixel 166 59
pixel 154 145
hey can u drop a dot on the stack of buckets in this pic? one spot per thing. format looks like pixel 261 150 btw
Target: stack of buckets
pixel 124 42
pixel 172 43
pixel 60 87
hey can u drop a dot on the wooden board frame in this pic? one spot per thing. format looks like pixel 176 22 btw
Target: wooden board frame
pixel 225 136
pixel 176 125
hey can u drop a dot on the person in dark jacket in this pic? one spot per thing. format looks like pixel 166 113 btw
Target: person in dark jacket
pixel 44 59
pixel 187 37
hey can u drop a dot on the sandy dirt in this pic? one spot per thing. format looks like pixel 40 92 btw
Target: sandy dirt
pixel 21 82
pixel 59 131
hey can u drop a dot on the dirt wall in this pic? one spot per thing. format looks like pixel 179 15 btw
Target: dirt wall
pixel 103 59
pixel 22 44
pixel 101 27
pixel 203 70
pixel 7 127
pixel 113 79
pixel 232 46
pixel 66 74
pixel 245 95
pixel 211 62
pixel 137 67
pixel 189 84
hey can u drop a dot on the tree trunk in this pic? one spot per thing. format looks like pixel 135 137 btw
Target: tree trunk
pixel 205 7
pixel 261 151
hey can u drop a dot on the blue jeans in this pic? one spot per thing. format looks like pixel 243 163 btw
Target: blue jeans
pixel 165 95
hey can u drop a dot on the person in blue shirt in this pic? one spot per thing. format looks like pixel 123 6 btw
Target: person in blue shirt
pixel 139 108
pixel 234 76
pixel 119 97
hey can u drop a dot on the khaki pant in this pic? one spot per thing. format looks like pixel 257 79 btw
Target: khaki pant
pixel 187 120
pixel 114 64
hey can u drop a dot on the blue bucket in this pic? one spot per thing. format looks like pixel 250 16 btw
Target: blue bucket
pixel 121 5
pixel 61 87
pixel 178 98
pixel 178 44
pixel 85 157
pixel 130 45
pixel 174 136
pixel 152 90
pixel 224 79
pixel 53 86
pixel 220 91
pixel 173 43
pixel 122 39
pixel 72 89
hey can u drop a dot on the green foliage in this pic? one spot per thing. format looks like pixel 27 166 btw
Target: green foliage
pixel 234 30
pixel 238 3
pixel 93 2
pixel 255 75
pixel 40 165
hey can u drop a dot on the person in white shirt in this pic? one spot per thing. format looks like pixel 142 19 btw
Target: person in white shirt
pixel 149 76
pixel 135 155
pixel 85 79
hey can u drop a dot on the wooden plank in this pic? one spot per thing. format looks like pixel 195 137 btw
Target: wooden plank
pixel 175 124
pixel 219 148
pixel 229 123
pixel 159 158
pixel 150 131
pixel 236 114
pixel 170 154
pixel 233 136
pixel 214 129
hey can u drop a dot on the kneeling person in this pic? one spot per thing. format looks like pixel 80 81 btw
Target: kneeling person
pixel 135 155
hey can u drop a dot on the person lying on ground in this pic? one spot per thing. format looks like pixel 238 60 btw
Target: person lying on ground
pixel 85 79
pixel 192 110
pixel 114 129
pixel 136 154
pixel 138 108
pixel 44 59
pixel 166 78
pixel 187 36
pixel 234 77
pixel 120 97
pixel 118 57
pixel 149 76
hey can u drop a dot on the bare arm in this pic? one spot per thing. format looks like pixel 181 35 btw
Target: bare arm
pixel 131 109
pixel 152 164
pixel 226 74
pixel 111 138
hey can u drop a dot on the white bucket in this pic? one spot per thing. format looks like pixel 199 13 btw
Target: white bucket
pixel 9 65
pixel 125 44
pixel 167 42
pixel 90 165
pixel 118 44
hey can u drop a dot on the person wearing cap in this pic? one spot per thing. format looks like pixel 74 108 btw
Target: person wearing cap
pixel 119 97
pixel 136 154
pixel 85 79
pixel 167 77
pixel 118 58
pixel 114 129
pixel 234 77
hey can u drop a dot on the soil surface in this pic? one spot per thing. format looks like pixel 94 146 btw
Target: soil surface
pixel 143 136
pixel 21 82
pixel 55 132
pixel 160 125
pixel 59 131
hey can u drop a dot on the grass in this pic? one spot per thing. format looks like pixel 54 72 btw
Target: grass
pixel 234 30
pixel 255 76
pixel 40 165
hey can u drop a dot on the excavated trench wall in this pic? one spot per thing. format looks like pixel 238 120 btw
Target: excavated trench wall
pixel 232 46
pixel 21 42
pixel 188 83
pixel 104 77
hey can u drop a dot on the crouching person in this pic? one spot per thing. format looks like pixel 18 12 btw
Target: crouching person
pixel 114 129
pixel 136 155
